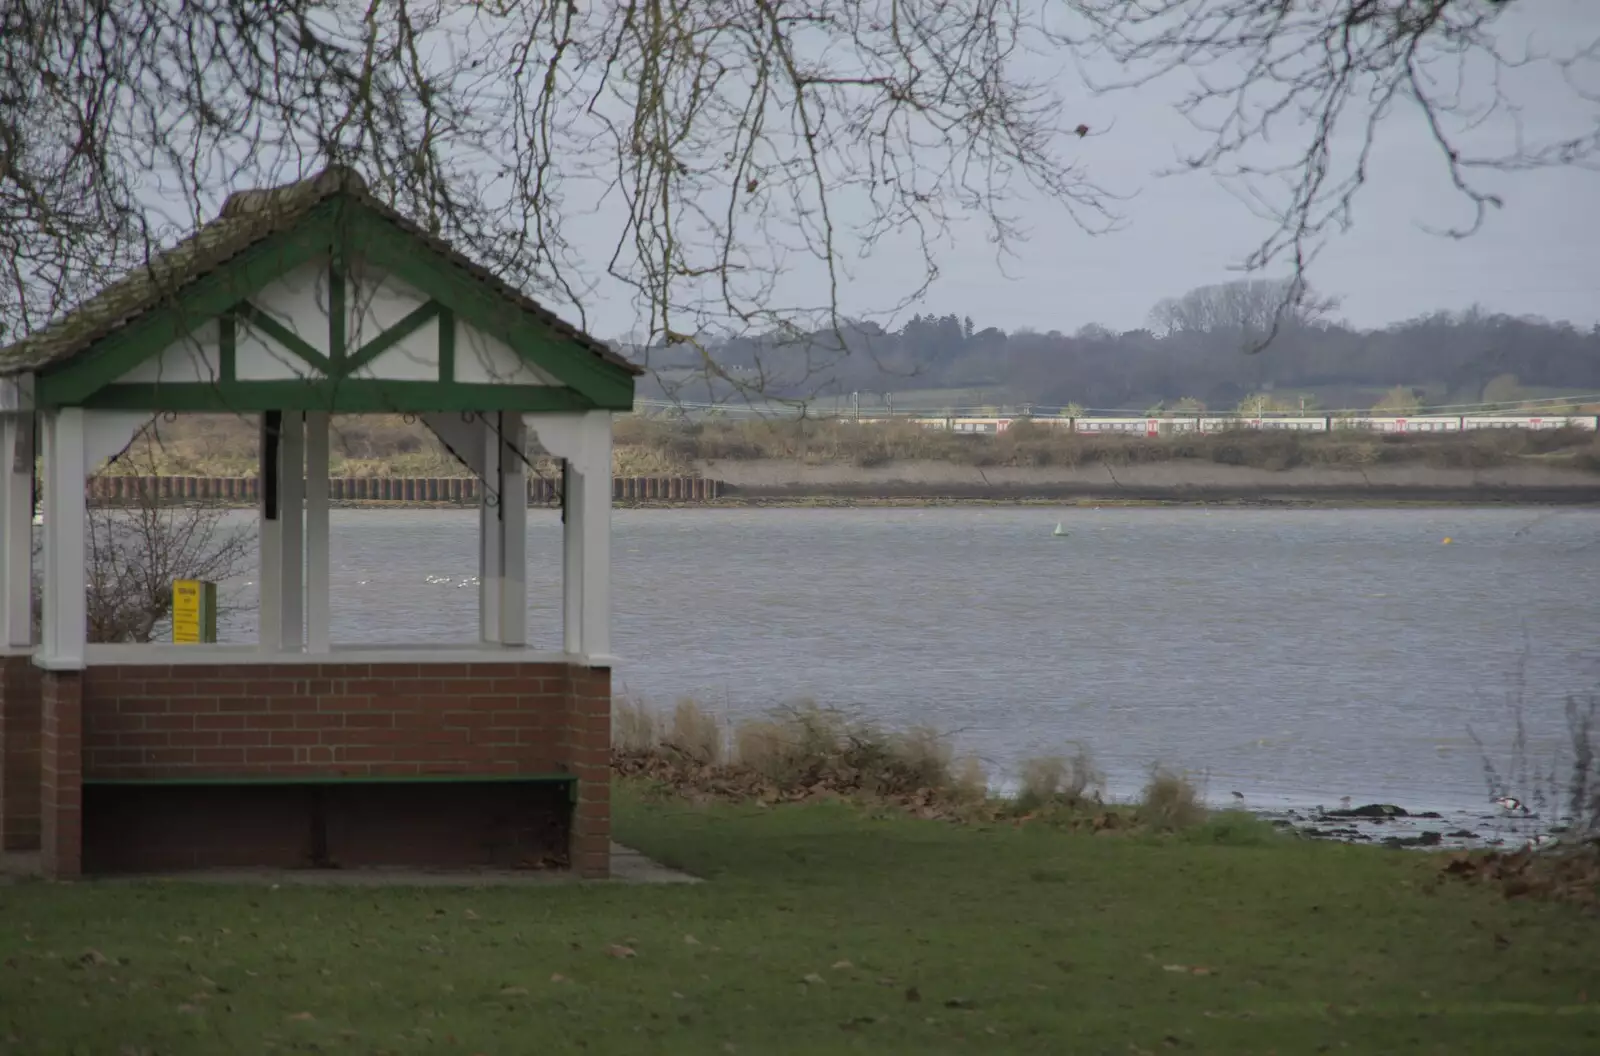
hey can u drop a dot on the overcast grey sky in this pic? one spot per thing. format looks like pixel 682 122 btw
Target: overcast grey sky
pixel 1538 255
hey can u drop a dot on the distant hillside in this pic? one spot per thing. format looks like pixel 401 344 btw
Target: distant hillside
pixel 1195 350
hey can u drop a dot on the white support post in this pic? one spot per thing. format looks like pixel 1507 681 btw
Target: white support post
pixel 318 561
pixel 584 440
pixel 595 525
pixel 291 511
pixel 269 533
pixel 16 527
pixel 65 613
pixel 490 553
pixel 513 510
pixel 572 559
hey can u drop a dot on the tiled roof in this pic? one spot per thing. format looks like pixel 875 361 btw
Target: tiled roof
pixel 247 218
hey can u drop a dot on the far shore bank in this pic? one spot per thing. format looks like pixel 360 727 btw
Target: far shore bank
pixel 724 483
pixel 1299 499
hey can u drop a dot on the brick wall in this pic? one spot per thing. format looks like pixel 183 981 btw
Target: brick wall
pixel 281 719
pixel 20 719
pixel 60 773
pixel 589 749
pixel 260 720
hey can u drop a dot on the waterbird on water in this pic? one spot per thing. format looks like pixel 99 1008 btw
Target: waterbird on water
pixel 1239 796
pixel 1511 805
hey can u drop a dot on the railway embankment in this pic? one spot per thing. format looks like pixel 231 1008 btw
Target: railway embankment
pixel 1178 480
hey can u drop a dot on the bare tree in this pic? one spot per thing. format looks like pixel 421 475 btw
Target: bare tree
pixel 729 141
pixel 136 548
pixel 1251 309
pixel 135 552
pixel 1290 96
pixel 697 155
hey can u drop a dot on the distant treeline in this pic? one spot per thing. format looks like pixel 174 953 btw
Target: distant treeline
pixel 1197 347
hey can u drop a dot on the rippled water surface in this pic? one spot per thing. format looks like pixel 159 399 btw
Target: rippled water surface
pixel 1292 655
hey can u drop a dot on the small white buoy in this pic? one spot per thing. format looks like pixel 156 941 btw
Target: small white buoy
pixel 1060 530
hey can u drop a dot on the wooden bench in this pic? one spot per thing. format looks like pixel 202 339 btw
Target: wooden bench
pixel 327 821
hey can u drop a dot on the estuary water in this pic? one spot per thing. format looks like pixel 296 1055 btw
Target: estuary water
pixel 1295 656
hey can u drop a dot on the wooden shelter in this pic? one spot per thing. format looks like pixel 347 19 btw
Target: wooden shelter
pixel 295 304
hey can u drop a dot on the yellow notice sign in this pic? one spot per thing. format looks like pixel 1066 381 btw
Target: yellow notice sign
pixel 194 611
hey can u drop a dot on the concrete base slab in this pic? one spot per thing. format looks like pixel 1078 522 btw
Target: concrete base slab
pixel 628 866
pixel 19 865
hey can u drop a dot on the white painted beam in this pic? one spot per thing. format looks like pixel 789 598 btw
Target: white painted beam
pixel 291 517
pixel 65 616
pixel 572 561
pixel 269 577
pixel 595 559
pixel 318 558
pixel 584 440
pixel 490 553
pixel 513 532
pixel 16 531
pixel 463 436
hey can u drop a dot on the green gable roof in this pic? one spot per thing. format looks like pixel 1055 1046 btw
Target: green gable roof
pixel 261 234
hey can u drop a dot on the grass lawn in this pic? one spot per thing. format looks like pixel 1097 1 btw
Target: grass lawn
pixel 823 930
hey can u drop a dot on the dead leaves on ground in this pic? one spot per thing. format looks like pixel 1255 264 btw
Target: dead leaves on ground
pixel 1573 876
pixel 1188 969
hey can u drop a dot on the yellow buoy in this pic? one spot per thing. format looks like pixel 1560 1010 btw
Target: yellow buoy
pixel 1448 540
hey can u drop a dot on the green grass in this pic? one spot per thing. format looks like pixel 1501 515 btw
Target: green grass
pixel 823 929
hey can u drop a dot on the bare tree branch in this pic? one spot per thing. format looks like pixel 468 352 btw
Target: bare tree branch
pixel 728 166
pixel 725 147
pixel 1324 76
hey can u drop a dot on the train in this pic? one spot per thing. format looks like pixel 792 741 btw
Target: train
pixel 1166 425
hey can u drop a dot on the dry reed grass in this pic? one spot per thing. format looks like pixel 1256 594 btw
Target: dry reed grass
pixel 1170 801
pixel 804 751
pixel 1059 779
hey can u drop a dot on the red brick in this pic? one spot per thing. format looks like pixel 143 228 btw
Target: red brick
pixel 117 722
pixel 60 769
pixel 144 739
pixel 169 721
pixel 223 689
pixel 218 756
pixel 365 753
pixel 165 687
pixel 395 671
pixel 193 738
